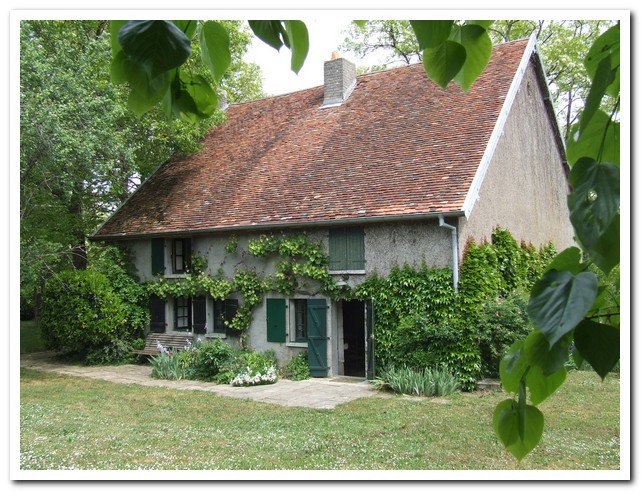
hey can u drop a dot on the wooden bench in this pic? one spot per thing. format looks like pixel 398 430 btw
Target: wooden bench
pixel 174 341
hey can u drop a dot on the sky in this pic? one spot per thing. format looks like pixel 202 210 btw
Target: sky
pixel 324 38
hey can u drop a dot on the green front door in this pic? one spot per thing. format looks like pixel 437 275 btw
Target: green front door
pixel 317 337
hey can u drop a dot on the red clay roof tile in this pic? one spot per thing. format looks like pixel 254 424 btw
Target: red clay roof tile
pixel 399 145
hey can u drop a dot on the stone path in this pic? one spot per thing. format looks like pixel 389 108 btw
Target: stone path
pixel 318 393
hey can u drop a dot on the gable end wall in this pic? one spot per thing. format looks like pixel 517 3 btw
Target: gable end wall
pixel 525 188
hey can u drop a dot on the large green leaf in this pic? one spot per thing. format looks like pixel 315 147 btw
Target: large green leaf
pixel 513 367
pixel 146 91
pixel 444 62
pixel 599 344
pixel 431 33
pixel 594 210
pixel 298 43
pixel 606 46
pixel 541 385
pixel 567 260
pixel 603 77
pixel 478 49
pixel 549 358
pixel 157 45
pixel 269 31
pixel 114 27
pixel 215 53
pixel 560 300
pixel 204 97
pixel 187 26
pixel 599 140
pixel 509 424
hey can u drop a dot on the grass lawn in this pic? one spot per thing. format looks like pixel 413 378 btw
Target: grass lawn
pixel 77 423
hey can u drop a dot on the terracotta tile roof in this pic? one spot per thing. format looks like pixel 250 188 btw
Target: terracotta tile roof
pixel 400 145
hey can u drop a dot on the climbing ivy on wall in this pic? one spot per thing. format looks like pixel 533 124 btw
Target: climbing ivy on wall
pixel 420 319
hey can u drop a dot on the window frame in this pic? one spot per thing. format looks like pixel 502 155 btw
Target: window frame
pixel 189 316
pixel 185 255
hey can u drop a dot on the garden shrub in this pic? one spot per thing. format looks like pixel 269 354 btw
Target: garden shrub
pixel 297 368
pixel 207 359
pixel 500 323
pixel 115 263
pixel 81 313
pixel 113 352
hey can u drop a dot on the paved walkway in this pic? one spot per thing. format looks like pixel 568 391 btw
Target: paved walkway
pixel 319 393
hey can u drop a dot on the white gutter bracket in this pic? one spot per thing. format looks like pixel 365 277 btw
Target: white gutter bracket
pixel 454 233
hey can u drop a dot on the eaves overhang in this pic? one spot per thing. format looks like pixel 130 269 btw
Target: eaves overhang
pixel 281 226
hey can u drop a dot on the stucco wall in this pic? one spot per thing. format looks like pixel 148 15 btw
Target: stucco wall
pixel 525 188
pixel 387 245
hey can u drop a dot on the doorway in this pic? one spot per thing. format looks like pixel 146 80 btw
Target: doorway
pixel 354 338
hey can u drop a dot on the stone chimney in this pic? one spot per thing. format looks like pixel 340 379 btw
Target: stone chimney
pixel 340 80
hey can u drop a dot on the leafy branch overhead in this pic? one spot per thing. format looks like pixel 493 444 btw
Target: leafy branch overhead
pixel 150 56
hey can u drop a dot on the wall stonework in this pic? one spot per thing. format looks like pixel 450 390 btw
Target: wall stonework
pixel 525 188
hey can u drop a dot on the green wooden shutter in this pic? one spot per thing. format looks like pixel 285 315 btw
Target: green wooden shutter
pixel 337 250
pixel 157 256
pixel 157 311
pixel 276 320
pixel 317 337
pixel 199 307
pixel 347 249
pixel 355 247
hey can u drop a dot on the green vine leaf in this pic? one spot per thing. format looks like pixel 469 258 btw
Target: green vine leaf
pixel 431 33
pixel 599 344
pixel 541 385
pixel 594 210
pixel 560 300
pixel 478 49
pixel 157 45
pixel 519 431
pixel 215 52
pixel 444 62
pixel 513 367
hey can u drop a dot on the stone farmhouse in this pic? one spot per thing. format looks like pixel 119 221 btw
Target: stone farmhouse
pixel 382 169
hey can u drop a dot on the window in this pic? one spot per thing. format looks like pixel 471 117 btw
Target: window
pixel 300 321
pixel 181 255
pixel 347 249
pixel 224 312
pixel 182 314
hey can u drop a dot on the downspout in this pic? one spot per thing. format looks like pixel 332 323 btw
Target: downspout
pixel 453 230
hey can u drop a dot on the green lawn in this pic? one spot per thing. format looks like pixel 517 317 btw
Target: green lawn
pixel 76 423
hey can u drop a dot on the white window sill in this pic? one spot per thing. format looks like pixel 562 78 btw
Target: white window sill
pixel 296 344
pixel 350 271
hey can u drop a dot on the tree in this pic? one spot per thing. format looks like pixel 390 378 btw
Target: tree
pixel 570 303
pixel 82 153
